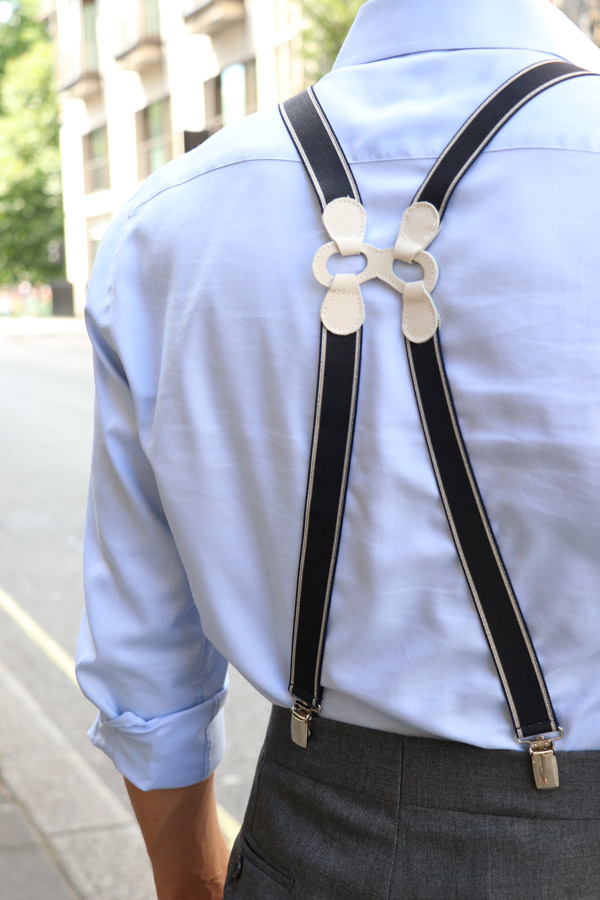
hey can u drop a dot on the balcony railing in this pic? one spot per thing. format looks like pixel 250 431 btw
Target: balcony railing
pixel 79 73
pixel 212 16
pixel 86 84
pixel 140 41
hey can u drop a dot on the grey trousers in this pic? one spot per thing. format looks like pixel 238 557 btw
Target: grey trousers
pixel 367 815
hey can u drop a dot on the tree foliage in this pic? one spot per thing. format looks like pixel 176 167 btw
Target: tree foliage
pixel 31 226
pixel 19 32
pixel 327 24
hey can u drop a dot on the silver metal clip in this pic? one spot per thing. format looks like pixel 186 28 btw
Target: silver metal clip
pixel 545 767
pixel 301 719
pixel 543 761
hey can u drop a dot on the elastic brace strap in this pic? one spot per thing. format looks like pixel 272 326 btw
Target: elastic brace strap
pixel 335 412
pixel 501 617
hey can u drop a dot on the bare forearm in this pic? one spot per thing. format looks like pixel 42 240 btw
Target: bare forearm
pixel 184 841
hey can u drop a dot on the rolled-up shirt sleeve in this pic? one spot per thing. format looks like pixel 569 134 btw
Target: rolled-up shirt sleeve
pixel 143 658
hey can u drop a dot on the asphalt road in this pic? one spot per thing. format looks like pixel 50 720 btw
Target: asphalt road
pixel 46 402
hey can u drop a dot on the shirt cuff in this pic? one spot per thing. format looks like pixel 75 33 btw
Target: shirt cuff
pixel 170 751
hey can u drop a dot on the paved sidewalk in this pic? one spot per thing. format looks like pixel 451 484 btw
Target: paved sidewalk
pixel 25 326
pixel 27 867
pixel 63 834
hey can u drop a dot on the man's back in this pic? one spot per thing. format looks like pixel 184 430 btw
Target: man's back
pixel 204 315
pixel 205 292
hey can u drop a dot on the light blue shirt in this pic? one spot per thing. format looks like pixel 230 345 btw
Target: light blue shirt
pixel 204 316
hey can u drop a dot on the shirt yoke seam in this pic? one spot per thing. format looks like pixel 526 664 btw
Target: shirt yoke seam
pixel 215 168
pixel 358 162
pixel 355 162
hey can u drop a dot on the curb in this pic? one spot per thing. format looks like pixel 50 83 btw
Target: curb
pixel 92 838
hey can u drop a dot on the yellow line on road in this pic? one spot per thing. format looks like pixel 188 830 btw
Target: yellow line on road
pixel 40 638
pixel 229 826
pixel 66 664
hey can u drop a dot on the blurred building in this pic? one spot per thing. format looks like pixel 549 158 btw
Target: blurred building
pixel 585 14
pixel 142 81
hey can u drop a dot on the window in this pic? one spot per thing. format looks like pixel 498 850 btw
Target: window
pixel 139 19
pixel 96 229
pixel 128 23
pixel 78 47
pixel 212 16
pixel 231 95
pixel 193 139
pixel 150 18
pixel 154 137
pixel 212 103
pixel 69 42
pixel 90 43
pixel 251 98
pixel 284 14
pixel 290 69
pixel 95 155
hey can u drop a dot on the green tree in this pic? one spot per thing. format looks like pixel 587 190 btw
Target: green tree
pixel 31 227
pixel 327 24
pixel 19 29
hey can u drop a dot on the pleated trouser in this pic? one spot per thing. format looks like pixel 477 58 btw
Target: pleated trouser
pixel 364 814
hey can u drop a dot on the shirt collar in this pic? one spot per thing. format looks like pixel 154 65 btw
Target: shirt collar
pixel 387 28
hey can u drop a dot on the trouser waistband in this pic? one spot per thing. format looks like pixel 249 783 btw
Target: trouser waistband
pixel 367 815
pixel 436 773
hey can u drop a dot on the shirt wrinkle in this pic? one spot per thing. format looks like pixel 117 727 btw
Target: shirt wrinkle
pixel 207 298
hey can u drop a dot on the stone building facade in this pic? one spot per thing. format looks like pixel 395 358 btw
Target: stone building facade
pixel 141 81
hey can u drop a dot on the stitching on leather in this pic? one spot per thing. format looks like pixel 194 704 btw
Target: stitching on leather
pixel 352 319
pixel 332 296
pixel 431 321
pixel 427 236
pixel 346 201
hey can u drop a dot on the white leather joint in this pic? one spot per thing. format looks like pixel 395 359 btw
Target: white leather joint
pixel 343 310
pixel 420 224
pixel 346 222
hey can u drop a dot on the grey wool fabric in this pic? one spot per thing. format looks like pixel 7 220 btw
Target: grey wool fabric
pixel 367 815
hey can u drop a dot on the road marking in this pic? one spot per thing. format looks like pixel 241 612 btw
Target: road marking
pixel 61 659
pixel 40 638
pixel 229 826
